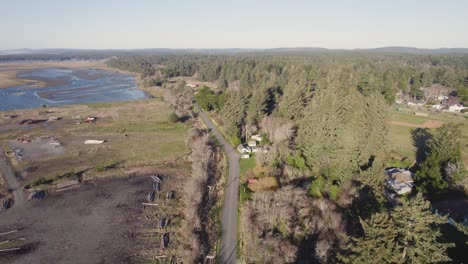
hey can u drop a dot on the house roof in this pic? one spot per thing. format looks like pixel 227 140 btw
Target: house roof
pixel 451 101
pixel 400 180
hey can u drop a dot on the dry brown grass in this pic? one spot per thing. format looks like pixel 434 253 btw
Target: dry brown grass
pixel 138 134
pixel 263 184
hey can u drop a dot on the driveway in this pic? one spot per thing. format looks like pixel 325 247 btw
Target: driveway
pixel 229 218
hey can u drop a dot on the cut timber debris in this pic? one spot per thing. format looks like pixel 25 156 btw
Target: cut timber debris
pixel 156 178
pixel 6 203
pixel 157 186
pixel 151 196
pixel 153 204
pixel 9 249
pixel 94 141
pixel 9 232
pixel 165 241
pixel 170 194
pixel 37 195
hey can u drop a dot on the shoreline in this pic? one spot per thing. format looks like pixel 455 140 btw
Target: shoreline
pixel 9 71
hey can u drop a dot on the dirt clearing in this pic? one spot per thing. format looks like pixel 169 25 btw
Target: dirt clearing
pixel 95 223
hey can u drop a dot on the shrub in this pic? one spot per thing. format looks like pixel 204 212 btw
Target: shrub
pixel 173 118
pixel 317 187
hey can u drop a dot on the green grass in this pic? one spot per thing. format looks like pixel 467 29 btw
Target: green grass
pixel 408 117
pixel 400 141
pixel 400 136
pixel 246 165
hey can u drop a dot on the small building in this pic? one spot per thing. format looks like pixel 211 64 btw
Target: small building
pixel 452 104
pixel 252 143
pixel 245 156
pixel 436 106
pixel 415 104
pixel 421 114
pixel 400 180
pixel 257 137
pixel 243 149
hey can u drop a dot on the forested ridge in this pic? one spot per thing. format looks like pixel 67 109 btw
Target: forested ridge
pixel 325 122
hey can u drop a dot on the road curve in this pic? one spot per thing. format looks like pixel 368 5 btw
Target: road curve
pixel 228 252
pixel 11 181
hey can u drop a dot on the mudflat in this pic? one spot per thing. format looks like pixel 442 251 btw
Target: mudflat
pixel 9 71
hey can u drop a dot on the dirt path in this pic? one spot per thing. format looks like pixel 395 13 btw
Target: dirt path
pixel 12 181
pixel 427 124
pixel 229 218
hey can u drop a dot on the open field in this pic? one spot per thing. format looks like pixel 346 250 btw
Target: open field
pixel 99 222
pixel 8 71
pixel 403 123
pixel 137 134
pixel 101 218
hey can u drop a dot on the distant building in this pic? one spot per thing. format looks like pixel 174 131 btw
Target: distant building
pixel 243 149
pixel 415 104
pixel 452 104
pixel 257 137
pixel 252 143
pixel 245 156
pixel 400 180
pixel 437 106
pixel 421 114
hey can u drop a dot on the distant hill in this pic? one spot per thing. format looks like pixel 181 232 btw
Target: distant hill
pixel 412 50
pixel 119 52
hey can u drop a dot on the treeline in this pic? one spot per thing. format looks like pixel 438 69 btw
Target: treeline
pixel 326 120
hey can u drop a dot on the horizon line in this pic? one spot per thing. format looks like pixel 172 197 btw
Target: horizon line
pixel 231 48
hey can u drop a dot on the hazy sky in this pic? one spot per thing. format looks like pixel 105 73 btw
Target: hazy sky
pixel 232 24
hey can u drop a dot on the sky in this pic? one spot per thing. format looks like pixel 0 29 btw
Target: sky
pixel 136 24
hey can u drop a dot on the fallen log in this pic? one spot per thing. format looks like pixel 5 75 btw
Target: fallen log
pixel 9 232
pixel 9 249
pixel 150 204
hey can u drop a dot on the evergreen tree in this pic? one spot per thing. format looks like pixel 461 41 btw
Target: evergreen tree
pixel 429 178
pixel 409 234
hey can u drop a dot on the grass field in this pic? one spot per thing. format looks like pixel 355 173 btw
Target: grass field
pixel 137 134
pixel 400 136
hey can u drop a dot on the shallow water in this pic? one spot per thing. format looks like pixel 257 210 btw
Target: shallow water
pixel 70 86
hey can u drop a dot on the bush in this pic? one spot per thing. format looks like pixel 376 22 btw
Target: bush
pixel 173 118
pixel 334 192
pixel 317 188
pixel 296 161
pixel 235 140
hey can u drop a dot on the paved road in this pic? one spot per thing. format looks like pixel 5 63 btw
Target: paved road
pixel 229 218
pixel 12 181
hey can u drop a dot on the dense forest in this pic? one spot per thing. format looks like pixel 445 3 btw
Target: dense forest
pixel 324 118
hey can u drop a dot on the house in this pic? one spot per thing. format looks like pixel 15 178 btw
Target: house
pixel 245 156
pixel 400 180
pixel 244 149
pixel 452 104
pixel 252 143
pixel 257 137
pixel 436 106
pixel 415 104
pixel 191 85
